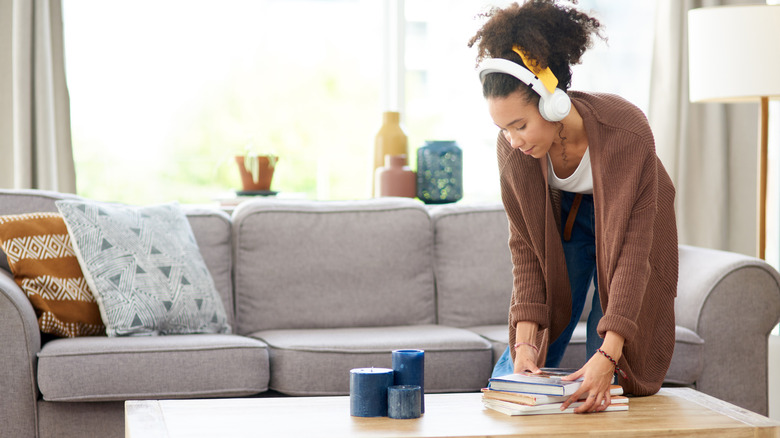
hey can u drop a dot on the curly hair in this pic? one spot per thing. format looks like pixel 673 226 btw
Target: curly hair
pixel 553 35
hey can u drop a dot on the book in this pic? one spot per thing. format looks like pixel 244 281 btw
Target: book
pixel 618 404
pixel 548 382
pixel 536 399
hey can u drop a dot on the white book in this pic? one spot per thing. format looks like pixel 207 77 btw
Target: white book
pixel 508 408
pixel 549 382
pixel 536 399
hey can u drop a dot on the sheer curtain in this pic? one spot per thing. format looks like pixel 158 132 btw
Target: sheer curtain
pixel 35 141
pixel 710 150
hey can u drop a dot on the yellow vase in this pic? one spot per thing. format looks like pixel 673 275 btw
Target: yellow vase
pixel 390 140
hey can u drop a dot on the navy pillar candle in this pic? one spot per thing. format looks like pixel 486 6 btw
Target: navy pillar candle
pixel 409 369
pixel 368 391
pixel 404 402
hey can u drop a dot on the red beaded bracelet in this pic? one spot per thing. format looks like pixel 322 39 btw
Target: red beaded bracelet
pixel 520 344
pixel 617 368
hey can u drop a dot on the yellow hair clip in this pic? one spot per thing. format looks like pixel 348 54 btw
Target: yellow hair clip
pixel 545 75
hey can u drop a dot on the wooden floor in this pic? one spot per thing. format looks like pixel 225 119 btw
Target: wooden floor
pixel 673 412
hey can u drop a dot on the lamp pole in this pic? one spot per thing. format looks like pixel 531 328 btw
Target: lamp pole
pixel 763 158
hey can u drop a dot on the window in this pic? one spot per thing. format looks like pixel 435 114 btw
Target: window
pixel 163 94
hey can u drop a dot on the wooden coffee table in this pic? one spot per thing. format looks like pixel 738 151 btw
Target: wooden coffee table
pixel 673 411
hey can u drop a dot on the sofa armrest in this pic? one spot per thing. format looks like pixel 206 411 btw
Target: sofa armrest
pixel 733 302
pixel 20 342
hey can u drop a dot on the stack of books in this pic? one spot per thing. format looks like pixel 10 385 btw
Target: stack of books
pixel 537 394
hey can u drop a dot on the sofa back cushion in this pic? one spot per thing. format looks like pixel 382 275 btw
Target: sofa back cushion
pixel 211 228
pixel 320 264
pixel 473 264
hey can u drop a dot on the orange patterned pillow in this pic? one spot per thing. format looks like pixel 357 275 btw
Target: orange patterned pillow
pixel 45 267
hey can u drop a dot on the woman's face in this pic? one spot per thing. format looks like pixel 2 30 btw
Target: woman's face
pixel 521 124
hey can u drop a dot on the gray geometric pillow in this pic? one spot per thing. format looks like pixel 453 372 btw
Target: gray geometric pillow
pixel 144 268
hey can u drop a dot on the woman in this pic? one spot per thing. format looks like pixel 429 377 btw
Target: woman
pixel 587 199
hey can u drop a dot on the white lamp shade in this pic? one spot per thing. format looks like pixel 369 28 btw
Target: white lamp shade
pixel 734 53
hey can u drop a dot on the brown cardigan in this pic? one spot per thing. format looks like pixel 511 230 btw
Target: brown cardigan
pixel 636 240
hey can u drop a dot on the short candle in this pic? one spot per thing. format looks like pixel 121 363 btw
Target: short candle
pixel 368 391
pixel 409 369
pixel 404 402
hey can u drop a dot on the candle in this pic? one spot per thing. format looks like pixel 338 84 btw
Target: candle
pixel 404 401
pixel 368 391
pixel 409 369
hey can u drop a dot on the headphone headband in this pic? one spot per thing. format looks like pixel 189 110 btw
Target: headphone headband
pixel 552 106
pixel 500 65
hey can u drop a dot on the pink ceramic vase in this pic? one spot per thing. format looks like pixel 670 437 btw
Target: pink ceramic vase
pixel 396 178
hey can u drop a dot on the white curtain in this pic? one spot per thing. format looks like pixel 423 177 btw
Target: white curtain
pixel 710 150
pixel 35 140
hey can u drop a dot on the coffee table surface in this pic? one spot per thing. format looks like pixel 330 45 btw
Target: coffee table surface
pixel 673 411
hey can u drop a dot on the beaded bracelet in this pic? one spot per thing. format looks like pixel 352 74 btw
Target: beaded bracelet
pixel 520 344
pixel 617 368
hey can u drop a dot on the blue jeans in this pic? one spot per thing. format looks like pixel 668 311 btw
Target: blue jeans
pixel 580 253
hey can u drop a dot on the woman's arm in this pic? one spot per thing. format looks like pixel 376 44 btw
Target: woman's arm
pixel 520 180
pixel 526 352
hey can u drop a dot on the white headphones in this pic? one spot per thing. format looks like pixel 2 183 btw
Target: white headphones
pixel 552 106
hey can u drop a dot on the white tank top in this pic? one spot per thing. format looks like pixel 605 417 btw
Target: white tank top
pixel 581 181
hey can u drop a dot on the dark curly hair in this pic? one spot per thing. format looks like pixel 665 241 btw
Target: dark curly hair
pixel 551 34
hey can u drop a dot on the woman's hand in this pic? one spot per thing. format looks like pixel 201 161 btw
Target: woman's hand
pixel 526 352
pixel 597 376
pixel 525 359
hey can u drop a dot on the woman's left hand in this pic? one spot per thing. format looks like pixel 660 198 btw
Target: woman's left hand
pixel 597 377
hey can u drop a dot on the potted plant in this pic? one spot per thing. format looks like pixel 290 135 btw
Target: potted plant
pixel 256 169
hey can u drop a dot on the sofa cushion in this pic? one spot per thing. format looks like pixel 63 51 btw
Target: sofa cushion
pixel 317 362
pixel 468 293
pixel 183 366
pixel 687 360
pixel 45 267
pixel 144 268
pixel 310 264
pixel 213 232
pixel 497 335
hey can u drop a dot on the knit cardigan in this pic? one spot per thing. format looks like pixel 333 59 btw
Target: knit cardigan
pixel 636 240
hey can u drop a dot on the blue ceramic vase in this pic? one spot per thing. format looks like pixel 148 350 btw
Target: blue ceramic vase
pixel 439 172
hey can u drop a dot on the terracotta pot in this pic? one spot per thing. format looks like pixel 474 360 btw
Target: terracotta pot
pixel 395 178
pixel 264 176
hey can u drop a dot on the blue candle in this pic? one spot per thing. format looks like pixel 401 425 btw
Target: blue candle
pixel 409 369
pixel 368 391
pixel 404 401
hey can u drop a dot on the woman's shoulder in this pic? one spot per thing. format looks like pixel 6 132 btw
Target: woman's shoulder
pixel 613 112
pixel 609 108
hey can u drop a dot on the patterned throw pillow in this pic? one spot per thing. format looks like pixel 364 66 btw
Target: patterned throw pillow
pixel 144 268
pixel 41 257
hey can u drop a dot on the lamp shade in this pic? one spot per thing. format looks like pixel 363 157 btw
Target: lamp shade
pixel 734 53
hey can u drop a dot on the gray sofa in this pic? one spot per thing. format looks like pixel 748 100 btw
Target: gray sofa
pixel 313 289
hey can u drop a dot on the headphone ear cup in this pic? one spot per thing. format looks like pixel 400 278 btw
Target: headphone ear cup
pixel 556 107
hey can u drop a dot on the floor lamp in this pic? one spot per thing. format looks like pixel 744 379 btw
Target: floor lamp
pixel 734 56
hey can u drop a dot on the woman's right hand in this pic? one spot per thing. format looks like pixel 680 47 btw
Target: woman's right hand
pixel 526 351
pixel 525 359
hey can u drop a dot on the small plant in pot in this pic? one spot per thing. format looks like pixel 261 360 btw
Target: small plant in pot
pixel 256 169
